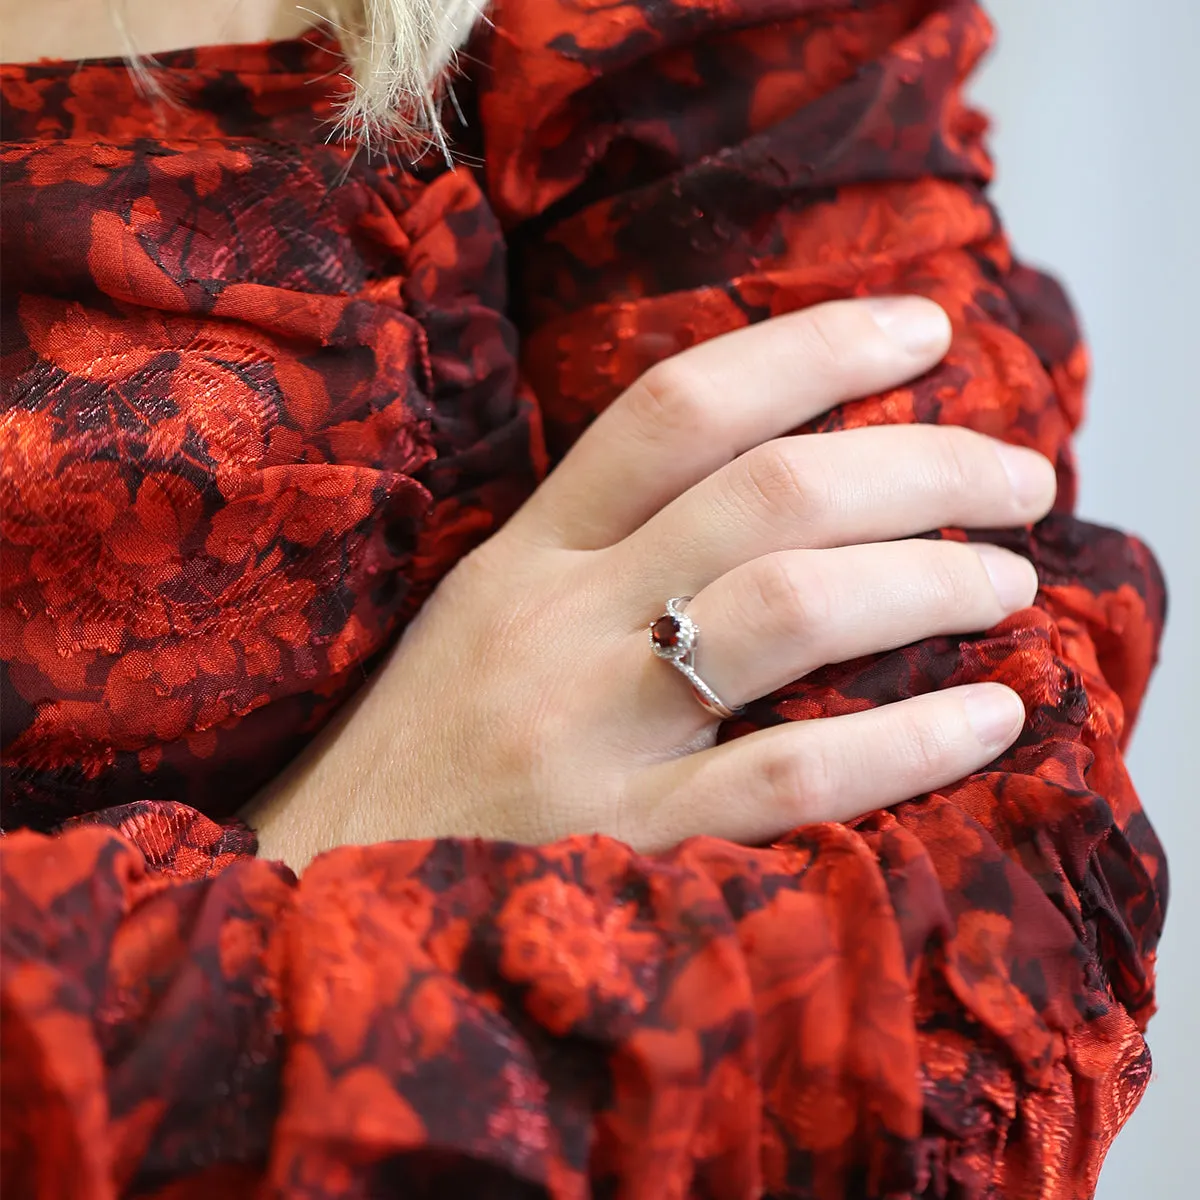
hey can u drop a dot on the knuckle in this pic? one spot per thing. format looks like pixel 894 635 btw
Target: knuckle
pixel 798 782
pixel 960 466
pixel 670 399
pixel 777 484
pixel 957 582
pixel 827 341
pixel 924 746
pixel 796 603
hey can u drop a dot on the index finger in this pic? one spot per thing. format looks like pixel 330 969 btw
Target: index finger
pixel 697 411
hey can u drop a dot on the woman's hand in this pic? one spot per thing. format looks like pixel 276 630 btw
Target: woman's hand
pixel 525 703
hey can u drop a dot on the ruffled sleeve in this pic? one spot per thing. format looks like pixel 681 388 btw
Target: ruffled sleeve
pixel 946 999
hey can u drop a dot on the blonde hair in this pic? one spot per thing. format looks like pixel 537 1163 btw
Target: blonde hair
pixel 399 52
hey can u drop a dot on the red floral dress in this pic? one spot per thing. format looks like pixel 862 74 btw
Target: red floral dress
pixel 261 392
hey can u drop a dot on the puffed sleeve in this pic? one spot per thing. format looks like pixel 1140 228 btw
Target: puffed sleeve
pixel 944 1000
pixel 672 171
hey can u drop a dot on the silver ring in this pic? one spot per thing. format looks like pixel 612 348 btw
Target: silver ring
pixel 673 638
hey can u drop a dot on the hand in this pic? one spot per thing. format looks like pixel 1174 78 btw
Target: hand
pixel 524 702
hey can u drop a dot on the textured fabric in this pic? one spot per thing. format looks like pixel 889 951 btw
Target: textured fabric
pixel 260 393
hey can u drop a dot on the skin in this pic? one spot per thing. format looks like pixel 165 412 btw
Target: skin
pixel 523 703
pixel 106 28
pixel 798 551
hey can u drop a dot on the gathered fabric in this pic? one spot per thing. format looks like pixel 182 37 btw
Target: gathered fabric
pixel 262 391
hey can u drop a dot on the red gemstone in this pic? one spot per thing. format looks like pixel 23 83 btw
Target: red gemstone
pixel 665 631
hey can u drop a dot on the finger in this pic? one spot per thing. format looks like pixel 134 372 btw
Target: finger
pixel 696 411
pixel 836 489
pixel 776 618
pixel 758 787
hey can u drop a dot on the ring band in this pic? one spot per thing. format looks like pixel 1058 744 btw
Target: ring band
pixel 673 638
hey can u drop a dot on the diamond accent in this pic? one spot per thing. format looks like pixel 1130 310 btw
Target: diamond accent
pixel 673 638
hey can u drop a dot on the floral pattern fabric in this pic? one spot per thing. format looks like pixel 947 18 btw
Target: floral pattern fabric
pixel 261 392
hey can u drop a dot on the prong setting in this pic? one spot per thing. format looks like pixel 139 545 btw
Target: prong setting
pixel 673 638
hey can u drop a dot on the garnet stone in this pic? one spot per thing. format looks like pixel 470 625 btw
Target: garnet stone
pixel 665 632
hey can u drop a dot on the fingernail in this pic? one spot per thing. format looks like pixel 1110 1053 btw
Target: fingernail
pixel 995 714
pixel 1030 474
pixel 1013 577
pixel 916 324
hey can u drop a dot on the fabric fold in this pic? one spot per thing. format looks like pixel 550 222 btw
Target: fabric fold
pixel 946 999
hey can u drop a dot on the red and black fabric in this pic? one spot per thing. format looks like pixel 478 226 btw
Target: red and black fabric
pixel 261 392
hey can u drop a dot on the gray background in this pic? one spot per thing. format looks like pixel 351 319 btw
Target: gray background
pixel 1097 111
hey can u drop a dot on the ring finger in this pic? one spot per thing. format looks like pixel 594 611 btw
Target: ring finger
pixel 779 617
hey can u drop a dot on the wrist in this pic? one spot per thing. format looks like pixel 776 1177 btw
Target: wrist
pixel 301 812
pixel 290 828
pixel 343 789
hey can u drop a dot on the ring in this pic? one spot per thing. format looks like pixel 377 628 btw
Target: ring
pixel 673 638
